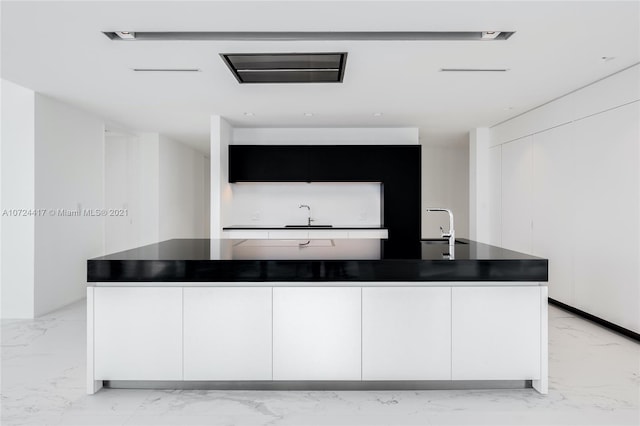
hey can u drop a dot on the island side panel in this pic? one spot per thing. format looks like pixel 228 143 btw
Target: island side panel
pixel 93 385
pixel 542 384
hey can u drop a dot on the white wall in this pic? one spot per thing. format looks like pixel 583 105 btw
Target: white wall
pixel 221 192
pixel 148 187
pixel 161 182
pixel 445 183
pixel 479 185
pixel 337 204
pixel 569 184
pixel 182 196
pixel 207 197
pixel 326 136
pixel 17 192
pixel 53 159
pixel 132 182
pixel 69 159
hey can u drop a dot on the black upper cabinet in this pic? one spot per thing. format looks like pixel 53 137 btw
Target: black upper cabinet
pixel 267 163
pixel 346 163
pixel 321 163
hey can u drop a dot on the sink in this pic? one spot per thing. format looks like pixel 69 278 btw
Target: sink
pixel 440 241
pixel 308 226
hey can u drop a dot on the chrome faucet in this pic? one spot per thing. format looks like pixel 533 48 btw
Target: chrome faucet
pixel 309 220
pixel 451 235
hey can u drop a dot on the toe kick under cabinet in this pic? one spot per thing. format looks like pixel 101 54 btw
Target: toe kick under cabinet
pixel 308 331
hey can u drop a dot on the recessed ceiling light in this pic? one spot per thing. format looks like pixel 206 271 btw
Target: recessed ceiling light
pixel 308 114
pixel 248 114
pixel 126 35
pixel 377 114
pixel 490 35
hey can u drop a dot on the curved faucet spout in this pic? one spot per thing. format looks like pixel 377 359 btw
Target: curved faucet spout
pixel 309 220
pixel 451 235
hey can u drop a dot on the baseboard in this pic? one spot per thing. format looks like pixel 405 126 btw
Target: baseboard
pixel 611 326
pixel 309 385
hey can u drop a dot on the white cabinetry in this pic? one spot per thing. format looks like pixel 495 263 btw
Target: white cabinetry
pixel 517 186
pixel 566 193
pixel 553 207
pixel 607 216
pixel 496 333
pixel 137 333
pixel 406 333
pixel 227 333
pixel 316 333
pixel 397 332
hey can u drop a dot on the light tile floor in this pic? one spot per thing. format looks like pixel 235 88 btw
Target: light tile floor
pixel 594 380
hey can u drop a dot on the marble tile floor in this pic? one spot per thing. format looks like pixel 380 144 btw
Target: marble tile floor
pixel 594 380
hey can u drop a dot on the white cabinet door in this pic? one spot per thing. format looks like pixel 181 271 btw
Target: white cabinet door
pixel 406 333
pixel 227 333
pixel 517 188
pixel 553 211
pixel 496 333
pixel 138 333
pixel 607 214
pixel 316 333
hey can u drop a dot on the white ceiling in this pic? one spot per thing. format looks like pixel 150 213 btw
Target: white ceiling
pixel 57 48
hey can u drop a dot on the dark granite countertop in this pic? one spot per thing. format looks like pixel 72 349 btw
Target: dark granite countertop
pixel 351 260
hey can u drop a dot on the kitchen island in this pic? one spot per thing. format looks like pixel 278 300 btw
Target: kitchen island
pixel 262 314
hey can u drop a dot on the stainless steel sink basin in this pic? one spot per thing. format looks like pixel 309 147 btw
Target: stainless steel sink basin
pixel 308 226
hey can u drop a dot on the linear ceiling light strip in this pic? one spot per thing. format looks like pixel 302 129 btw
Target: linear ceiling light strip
pixel 166 69
pixel 474 69
pixel 308 35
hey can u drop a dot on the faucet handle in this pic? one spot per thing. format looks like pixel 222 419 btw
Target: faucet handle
pixel 444 234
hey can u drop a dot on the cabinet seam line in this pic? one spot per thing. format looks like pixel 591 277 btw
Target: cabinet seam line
pixel 272 332
pixel 451 333
pixel 182 293
pixel 361 336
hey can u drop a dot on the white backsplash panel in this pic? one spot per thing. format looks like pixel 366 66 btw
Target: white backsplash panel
pixel 276 204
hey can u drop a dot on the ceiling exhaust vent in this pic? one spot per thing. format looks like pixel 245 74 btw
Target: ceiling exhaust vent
pixel 286 67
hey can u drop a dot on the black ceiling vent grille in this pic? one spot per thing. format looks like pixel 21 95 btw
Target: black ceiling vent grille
pixel 286 67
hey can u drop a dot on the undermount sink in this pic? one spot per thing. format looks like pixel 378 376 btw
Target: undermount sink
pixel 308 226
pixel 441 241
